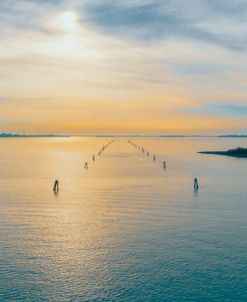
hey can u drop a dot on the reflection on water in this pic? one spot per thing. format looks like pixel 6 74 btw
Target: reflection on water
pixel 125 229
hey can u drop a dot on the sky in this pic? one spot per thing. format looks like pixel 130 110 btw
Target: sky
pixel 123 66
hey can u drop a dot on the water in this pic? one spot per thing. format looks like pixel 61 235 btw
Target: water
pixel 125 229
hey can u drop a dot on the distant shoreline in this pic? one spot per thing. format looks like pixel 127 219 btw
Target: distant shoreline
pixel 9 135
pixel 15 135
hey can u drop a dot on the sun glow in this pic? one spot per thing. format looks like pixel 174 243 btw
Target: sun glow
pixel 66 21
pixel 70 40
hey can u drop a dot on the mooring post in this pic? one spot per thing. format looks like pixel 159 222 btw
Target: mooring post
pixel 164 164
pixel 196 184
pixel 56 187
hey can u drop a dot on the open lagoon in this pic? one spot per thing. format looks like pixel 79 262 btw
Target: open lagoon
pixel 124 229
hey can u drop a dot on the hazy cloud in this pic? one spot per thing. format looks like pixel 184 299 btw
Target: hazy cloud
pixel 226 110
pixel 154 20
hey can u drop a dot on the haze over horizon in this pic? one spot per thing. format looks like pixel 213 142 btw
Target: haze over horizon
pixel 139 66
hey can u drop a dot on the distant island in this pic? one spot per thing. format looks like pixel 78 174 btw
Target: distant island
pixel 9 135
pixel 238 152
pixel 233 135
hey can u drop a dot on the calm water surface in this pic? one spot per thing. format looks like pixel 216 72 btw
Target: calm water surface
pixel 125 229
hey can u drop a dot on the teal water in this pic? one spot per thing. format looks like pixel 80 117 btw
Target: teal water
pixel 125 229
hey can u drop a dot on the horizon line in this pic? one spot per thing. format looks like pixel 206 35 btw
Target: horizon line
pixel 16 135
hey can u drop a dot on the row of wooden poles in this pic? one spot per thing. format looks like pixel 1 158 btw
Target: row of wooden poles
pixel 141 149
pixel 102 149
